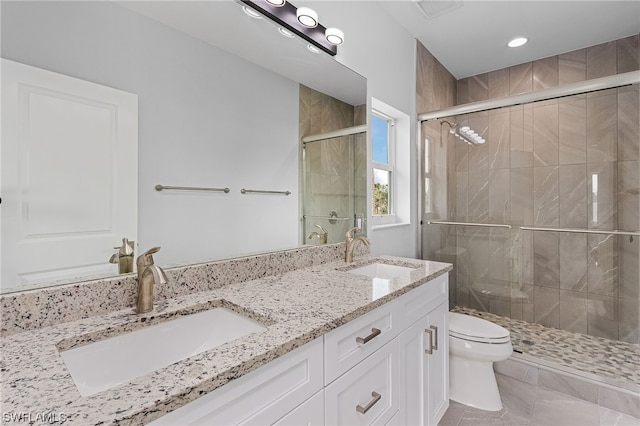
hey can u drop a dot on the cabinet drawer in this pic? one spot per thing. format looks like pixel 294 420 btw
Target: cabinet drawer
pixel 366 394
pixel 346 346
pixel 259 397
pixel 416 303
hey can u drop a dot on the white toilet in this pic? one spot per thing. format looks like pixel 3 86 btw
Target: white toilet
pixel 474 345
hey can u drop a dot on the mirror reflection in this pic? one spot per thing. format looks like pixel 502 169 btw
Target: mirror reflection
pixel 219 102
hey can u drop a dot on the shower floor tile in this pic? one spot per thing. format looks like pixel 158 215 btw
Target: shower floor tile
pixel 610 361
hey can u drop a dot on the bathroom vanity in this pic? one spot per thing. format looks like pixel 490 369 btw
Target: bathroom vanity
pixel 361 343
pixel 388 366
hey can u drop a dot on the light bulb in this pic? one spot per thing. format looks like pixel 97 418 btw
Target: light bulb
pixel 334 36
pixel 252 13
pixel 285 32
pixel 307 17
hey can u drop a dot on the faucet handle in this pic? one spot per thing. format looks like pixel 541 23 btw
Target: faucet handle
pixel 146 258
pixel 353 230
pixel 322 230
pixel 127 247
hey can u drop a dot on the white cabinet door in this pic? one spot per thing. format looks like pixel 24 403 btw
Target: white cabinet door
pixel 55 128
pixel 424 374
pixel 368 393
pixel 309 413
pixel 413 372
pixel 438 365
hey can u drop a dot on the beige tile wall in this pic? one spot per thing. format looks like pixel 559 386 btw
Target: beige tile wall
pixel 335 169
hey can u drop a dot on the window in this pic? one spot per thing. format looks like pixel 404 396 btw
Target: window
pixel 390 166
pixel 382 140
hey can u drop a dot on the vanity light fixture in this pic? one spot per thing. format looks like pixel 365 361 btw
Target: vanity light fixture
pixel 302 22
pixel 307 17
pixel 334 36
pixel 517 42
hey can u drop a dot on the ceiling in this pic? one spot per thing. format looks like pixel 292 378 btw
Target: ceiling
pixel 469 37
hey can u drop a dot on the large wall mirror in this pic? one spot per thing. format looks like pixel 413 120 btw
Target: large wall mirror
pixel 218 105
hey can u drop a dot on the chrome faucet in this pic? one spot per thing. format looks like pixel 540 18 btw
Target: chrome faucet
pixel 322 235
pixel 351 242
pixel 148 275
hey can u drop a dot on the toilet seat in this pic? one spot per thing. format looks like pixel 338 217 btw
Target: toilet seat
pixel 474 329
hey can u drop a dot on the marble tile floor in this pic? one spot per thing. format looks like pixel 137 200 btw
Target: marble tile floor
pixel 525 404
pixel 605 360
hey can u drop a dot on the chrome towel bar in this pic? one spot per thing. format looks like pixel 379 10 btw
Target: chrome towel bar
pixel 256 191
pixel 581 230
pixel 487 225
pixel 327 217
pixel 192 188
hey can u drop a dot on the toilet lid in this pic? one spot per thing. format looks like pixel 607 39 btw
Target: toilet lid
pixel 476 329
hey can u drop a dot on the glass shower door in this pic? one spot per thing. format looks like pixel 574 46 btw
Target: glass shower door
pixel 334 187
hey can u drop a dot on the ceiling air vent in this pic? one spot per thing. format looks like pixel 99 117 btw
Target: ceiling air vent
pixel 434 8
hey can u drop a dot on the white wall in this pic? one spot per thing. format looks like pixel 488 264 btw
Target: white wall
pixel 382 51
pixel 206 118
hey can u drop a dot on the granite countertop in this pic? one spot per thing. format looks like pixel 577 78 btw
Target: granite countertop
pixel 296 307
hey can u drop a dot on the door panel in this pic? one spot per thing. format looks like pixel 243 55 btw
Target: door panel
pixel 69 175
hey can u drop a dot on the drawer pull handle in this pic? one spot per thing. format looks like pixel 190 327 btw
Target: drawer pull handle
pixel 363 410
pixel 435 340
pixel 374 332
pixel 429 350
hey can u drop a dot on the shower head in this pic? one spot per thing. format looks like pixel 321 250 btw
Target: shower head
pixel 464 133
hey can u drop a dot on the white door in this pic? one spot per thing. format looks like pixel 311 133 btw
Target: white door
pixel 69 175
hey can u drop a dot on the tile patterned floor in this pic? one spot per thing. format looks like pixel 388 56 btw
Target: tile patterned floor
pixel 613 361
pixel 525 404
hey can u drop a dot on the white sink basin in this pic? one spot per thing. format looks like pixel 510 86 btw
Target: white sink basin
pixel 382 270
pixel 101 365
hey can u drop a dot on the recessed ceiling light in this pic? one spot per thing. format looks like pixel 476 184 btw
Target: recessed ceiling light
pixel 285 32
pixel 517 42
pixel 313 48
pixel 276 3
pixel 251 12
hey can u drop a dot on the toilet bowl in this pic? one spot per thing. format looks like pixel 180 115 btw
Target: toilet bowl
pixel 474 345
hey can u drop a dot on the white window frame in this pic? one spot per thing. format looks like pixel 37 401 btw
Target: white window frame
pixel 389 166
pixel 400 157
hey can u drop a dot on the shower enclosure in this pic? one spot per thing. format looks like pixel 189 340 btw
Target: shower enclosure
pixel 334 184
pixel 541 221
